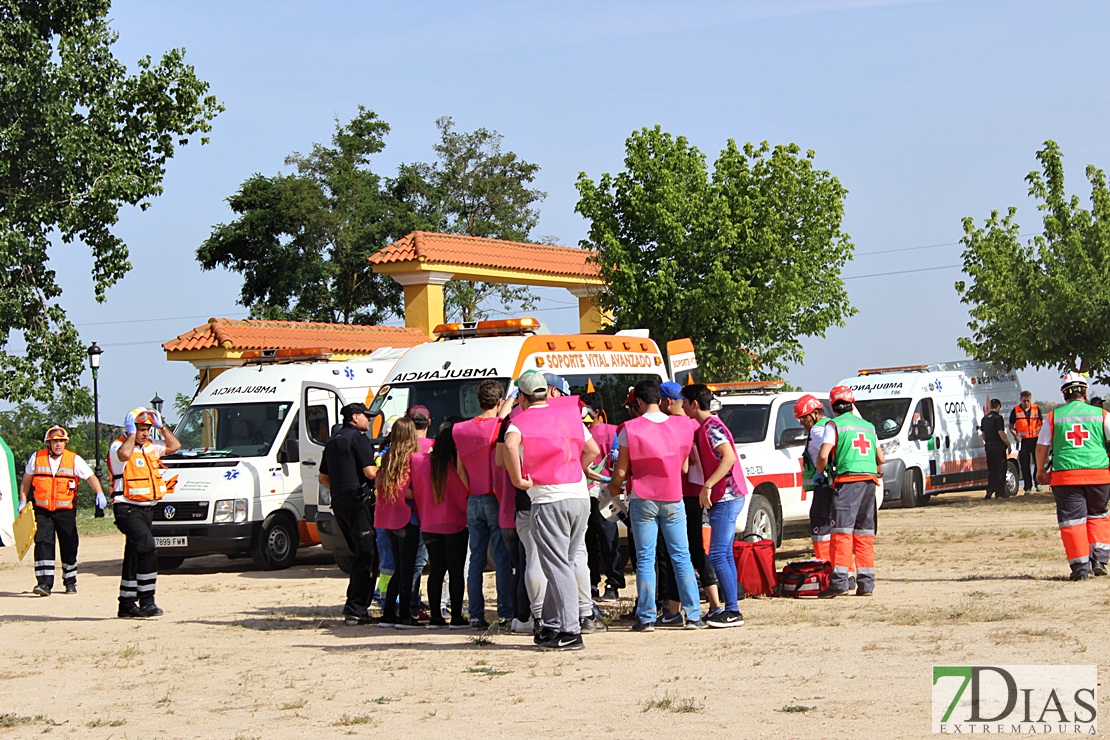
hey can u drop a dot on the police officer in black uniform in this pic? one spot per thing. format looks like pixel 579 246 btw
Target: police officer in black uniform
pixel 348 469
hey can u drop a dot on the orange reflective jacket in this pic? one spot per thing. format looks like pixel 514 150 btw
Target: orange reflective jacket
pixel 1028 424
pixel 54 490
pixel 142 475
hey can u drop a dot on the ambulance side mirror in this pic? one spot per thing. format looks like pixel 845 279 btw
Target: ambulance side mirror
pixel 792 437
pixel 289 452
pixel 921 430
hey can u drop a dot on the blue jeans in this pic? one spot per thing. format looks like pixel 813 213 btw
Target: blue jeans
pixel 385 554
pixel 649 519
pixel 481 520
pixel 722 520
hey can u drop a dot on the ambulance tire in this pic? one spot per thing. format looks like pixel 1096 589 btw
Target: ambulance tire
pixel 1013 479
pixel 912 489
pixel 762 520
pixel 276 545
pixel 169 562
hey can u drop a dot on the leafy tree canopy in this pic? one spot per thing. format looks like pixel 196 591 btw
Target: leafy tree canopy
pixel 1042 303
pixel 475 188
pixel 745 260
pixel 301 241
pixel 79 138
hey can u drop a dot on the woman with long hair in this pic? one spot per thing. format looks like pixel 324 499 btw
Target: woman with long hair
pixel 395 513
pixel 441 497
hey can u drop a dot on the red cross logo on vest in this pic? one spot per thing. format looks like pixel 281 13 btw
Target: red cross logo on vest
pixel 861 444
pixel 1078 435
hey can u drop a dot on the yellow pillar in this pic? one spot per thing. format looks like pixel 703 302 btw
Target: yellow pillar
pixel 423 299
pixel 591 319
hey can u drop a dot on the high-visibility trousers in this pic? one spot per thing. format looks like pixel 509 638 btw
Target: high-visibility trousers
pixel 1081 513
pixel 853 533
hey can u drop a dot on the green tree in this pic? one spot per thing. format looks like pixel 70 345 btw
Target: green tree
pixel 745 261
pixel 81 138
pixel 1041 303
pixel 475 188
pixel 301 241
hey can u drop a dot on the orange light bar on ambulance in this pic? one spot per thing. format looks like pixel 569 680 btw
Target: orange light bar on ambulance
pixel 747 386
pixel 286 355
pixel 897 369
pixel 493 328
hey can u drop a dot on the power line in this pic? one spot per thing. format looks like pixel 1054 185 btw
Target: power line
pixel 931 246
pixel 902 272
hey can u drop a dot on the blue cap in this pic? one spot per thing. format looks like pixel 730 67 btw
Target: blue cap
pixel 671 390
pixel 557 382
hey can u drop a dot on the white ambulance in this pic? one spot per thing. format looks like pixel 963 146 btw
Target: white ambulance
pixel 248 440
pixel 444 376
pixel 769 441
pixel 927 420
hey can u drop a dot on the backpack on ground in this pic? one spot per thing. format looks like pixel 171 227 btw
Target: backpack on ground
pixel 755 567
pixel 805 579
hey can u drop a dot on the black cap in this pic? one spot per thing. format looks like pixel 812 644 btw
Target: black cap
pixel 354 408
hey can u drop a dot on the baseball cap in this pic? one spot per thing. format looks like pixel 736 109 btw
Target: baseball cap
pixel 417 412
pixel 558 382
pixel 671 390
pixel 631 397
pixel 532 384
pixel 354 408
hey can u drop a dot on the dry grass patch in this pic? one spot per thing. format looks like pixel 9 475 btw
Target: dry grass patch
pixel 669 703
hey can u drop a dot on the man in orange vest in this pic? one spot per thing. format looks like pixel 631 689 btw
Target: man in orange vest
pixel 137 485
pixel 1025 424
pixel 52 474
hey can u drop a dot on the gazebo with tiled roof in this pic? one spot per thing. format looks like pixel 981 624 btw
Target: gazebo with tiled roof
pixel 220 344
pixel 423 261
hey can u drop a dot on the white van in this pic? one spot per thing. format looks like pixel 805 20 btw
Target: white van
pixel 444 376
pixel 927 420
pixel 247 441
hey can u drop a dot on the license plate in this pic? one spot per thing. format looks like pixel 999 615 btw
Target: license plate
pixel 171 541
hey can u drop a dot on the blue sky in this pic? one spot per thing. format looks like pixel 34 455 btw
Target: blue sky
pixel 926 111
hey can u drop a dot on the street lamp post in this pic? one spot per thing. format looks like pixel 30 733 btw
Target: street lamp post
pixel 156 404
pixel 94 365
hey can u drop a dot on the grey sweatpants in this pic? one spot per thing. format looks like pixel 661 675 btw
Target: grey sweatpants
pixel 559 532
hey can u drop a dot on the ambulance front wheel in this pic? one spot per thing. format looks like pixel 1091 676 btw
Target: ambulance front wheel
pixel 344 562
pixel 1013 478
pixel 912 494
pixel 762 520
pixel 276 545
pixel 169 562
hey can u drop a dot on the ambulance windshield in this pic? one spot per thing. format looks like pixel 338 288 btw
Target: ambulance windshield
pixel 746 421
pixel 231 430
pixel 443 398
pixel 887 414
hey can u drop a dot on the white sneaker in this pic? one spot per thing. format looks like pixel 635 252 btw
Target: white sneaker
pixel 524 628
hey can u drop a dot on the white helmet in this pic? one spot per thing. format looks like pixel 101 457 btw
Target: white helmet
pixel 1072 380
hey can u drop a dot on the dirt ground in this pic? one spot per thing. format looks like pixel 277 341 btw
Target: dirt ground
pixel 249 654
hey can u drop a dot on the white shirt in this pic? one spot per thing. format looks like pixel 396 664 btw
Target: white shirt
pixel 80 467
pixel 115 467
pixel 814 442
pixel 541 494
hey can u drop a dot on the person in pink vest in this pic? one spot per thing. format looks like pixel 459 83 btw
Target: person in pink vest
pixel 395 513
pixel 722 493
pixel 475 441
pixel 422 420
pixel 547 450
pixel 440 497
pixel 656 446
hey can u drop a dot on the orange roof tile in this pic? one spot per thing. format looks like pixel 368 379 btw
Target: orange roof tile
pixel 258 334
pixel 427 246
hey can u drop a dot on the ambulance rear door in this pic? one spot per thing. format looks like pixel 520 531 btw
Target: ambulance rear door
pixel 682 361
pixel 320 404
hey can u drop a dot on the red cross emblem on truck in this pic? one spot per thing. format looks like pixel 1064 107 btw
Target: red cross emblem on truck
pixel 861 444
pixel 1078 435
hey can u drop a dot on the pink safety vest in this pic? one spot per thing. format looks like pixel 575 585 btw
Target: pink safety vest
pixel 603 434
pixel 503 488
pixel 425 444
pixel 448 517
pixel 475 439
pixel 397 514
pixel 656 452
pixel 692 490
pixel 709 460
pixel 552 438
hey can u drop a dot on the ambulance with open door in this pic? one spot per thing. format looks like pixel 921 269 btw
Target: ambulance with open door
pixel 444 376
pixel 927 418
pixel 248 441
